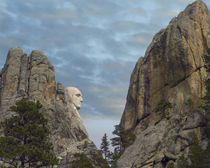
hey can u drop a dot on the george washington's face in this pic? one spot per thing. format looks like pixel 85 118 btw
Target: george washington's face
pixel 75 96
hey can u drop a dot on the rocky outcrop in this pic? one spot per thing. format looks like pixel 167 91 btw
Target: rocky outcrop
pixel 33 77
pixel 172 71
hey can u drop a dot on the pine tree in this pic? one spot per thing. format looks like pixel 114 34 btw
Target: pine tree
pixel 197 155
pixel 117 141
pixel 122 140
pixel 105 147
pixel 82 161
pixel 183 162
pixel 26 137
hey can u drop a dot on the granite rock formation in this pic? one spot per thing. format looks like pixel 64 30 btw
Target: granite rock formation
pixel 33 77
pixel 172 71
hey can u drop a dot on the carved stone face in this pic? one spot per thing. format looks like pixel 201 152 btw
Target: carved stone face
pixel 75 96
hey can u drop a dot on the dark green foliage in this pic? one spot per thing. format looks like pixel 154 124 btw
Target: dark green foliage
pixel 103 162
pixel 188 102
pixel 86 144
pixel 208 51
pixel 183 162
pixel 105 146
pixel 26 137
pixel 144 125
pixel 199 158
pixel 207 96
pixel 207 60
pixel 170 164
pixel 122 140
pixel 82 161
pixel 114 157
pixel 207 152
pixel 163 105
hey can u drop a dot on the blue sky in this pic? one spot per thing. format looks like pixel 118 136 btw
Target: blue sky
pixel 93 45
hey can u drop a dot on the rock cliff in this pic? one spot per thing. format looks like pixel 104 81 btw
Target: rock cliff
pixel 171 74
pixel 33 77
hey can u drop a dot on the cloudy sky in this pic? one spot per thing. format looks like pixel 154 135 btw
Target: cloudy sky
pixel 93 45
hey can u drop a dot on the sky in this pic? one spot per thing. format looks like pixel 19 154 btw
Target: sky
pixel 93 45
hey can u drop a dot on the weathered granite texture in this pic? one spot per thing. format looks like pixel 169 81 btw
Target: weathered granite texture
pixel 172 70
pixel 33 77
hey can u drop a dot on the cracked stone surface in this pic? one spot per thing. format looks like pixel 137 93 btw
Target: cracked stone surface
pixel 172 69
pixel 33 77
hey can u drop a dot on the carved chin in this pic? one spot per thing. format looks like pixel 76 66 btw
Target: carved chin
pixel 77 106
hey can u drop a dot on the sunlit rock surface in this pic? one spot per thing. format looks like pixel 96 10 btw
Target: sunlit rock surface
pixel 33 77
pixel 173 70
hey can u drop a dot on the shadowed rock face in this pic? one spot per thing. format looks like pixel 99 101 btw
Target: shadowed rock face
pixel 172 69
pixel 33 77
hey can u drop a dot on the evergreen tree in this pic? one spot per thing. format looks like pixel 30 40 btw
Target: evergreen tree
pixel 122 140
pixel 183 162
pixel 26 137
pixel 105 147
pixel 82 161
pixel 117 140
pixel 197 155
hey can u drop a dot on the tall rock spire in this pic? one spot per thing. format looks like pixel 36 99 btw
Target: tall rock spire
pixel 33 77
pixel 174 57
pixel 171 72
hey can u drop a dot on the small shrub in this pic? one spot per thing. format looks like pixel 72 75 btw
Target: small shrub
pixel 144 125
pixel 85 144
pixel 82 161
pixel 189 102
pixel 170 164
pixel 208 51
pixel 197 155
pixel 165 114
pixel 163 105
pixel 207 60
pixel 103 162
pixel 183 162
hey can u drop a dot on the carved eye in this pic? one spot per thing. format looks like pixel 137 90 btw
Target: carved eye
pixel 78 95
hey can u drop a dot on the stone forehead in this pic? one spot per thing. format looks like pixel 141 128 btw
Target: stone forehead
pixel 73 90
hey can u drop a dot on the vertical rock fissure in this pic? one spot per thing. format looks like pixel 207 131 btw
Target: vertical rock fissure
pixel 29 74
pixel 19 76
